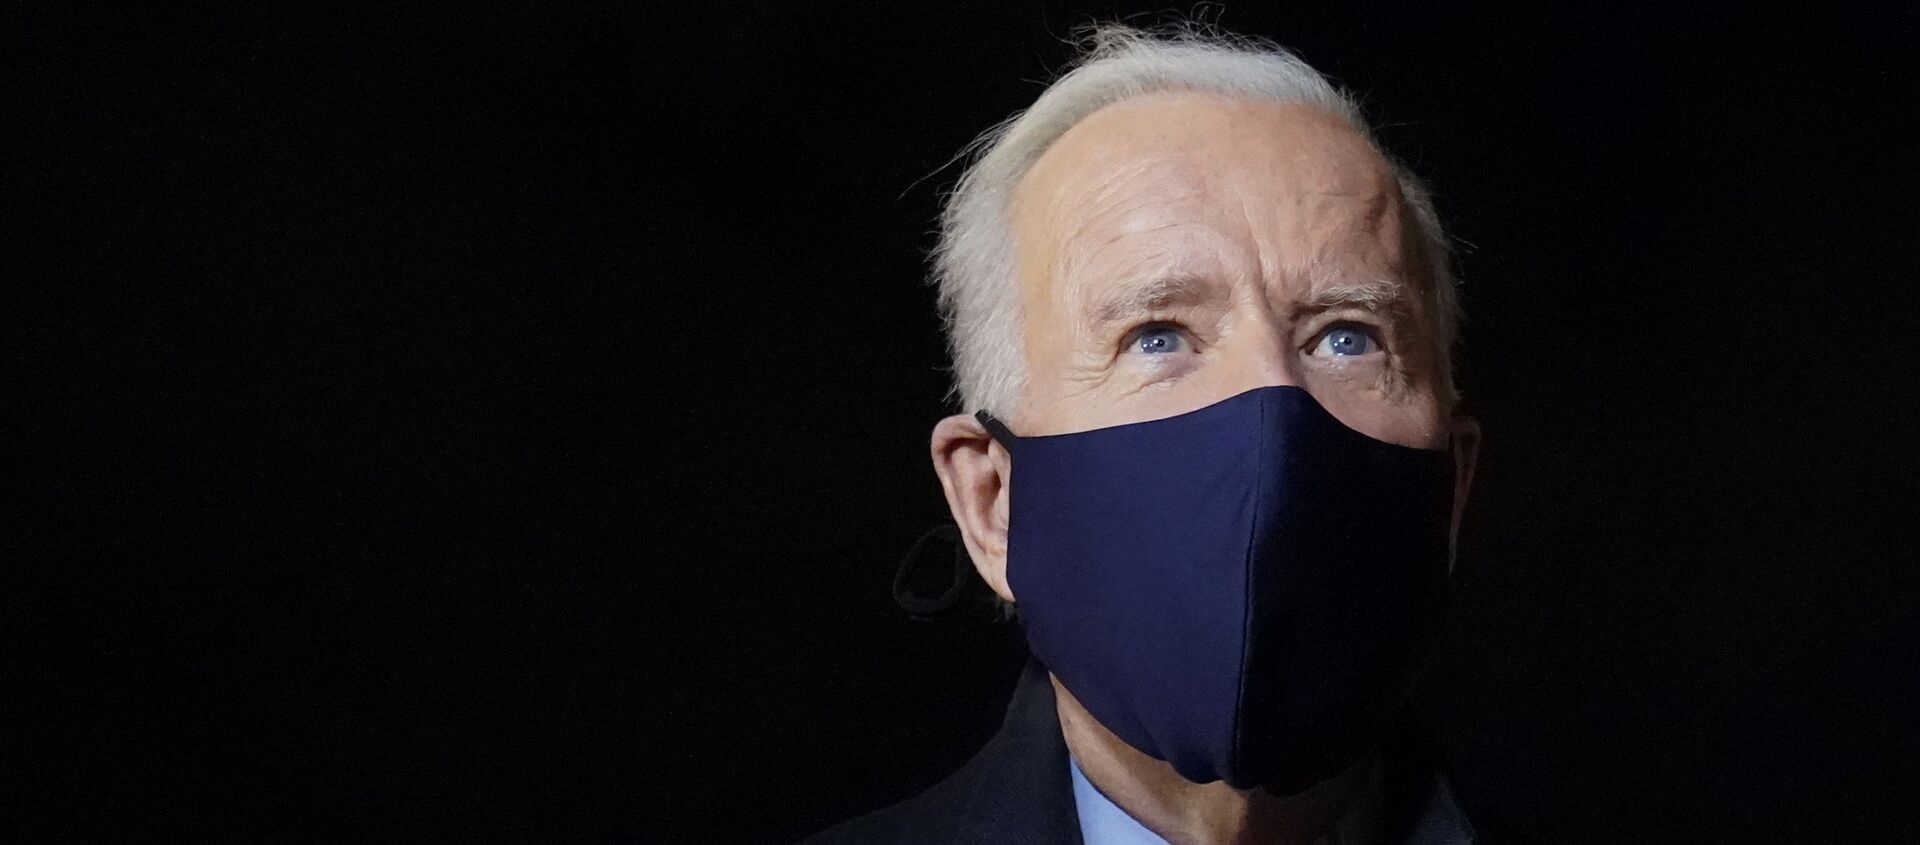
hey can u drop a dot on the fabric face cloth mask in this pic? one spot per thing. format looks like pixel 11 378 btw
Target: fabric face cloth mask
pixel 1246 591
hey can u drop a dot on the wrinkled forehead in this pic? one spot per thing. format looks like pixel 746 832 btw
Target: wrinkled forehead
pixel 1238 168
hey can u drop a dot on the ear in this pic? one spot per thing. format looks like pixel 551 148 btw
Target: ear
pixel 1464 431
pixel 974 471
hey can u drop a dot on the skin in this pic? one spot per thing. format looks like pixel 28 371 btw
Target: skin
pixel 1236 238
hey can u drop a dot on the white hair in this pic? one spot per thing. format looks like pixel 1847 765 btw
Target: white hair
pixel 973 263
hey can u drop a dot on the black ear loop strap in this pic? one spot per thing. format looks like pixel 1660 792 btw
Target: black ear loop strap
pixel 923 562
pixel 998 429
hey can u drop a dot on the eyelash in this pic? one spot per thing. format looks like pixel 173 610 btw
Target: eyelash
pixel 1378 337
pixel 1132 337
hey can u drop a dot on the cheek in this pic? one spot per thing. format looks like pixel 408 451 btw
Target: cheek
pixel 1412 421
pixel 1365 388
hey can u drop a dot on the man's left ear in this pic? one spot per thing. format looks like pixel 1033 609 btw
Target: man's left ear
pixel 975 472
pixel 1464 433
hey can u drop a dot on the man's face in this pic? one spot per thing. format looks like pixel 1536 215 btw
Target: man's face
pixel 1178 249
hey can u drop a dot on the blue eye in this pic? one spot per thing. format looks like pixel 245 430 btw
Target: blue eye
pixel 1158 340
pixel 1345 342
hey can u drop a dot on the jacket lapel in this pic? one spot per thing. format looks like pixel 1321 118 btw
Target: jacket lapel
pixel 1023 792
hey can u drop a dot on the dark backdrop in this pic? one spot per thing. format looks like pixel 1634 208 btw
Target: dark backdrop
pixel 504 424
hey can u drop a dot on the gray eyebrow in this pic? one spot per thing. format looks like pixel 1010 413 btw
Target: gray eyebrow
pixel 1382 295
pixel 1155 293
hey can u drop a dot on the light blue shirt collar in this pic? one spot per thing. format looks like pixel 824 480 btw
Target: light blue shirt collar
pixel 1102 822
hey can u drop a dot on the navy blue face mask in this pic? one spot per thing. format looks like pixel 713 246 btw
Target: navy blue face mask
pixel 1246 591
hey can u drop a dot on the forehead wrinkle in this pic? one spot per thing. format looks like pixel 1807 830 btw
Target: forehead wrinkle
pixel 1313 238
pixel 1116 211
pixel 1122 253
pixel 1292 187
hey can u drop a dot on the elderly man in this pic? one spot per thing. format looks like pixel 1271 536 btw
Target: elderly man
pixel 1201 327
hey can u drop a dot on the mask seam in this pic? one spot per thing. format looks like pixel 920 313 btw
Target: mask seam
pixel 1246 593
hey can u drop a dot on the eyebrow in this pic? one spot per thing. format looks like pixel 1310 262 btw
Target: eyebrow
pixel 1154 293
pixel 1387 297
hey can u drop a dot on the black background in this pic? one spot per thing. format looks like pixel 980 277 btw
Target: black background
pixel 504 424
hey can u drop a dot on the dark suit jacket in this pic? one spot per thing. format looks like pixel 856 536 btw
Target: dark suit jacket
pixel 1017 790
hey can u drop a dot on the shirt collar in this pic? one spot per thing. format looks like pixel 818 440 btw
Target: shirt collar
pixel 1102 822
